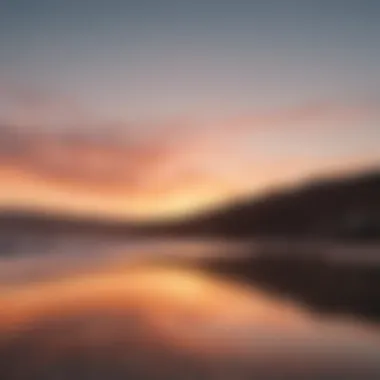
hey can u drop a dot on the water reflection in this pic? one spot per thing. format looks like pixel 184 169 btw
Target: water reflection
pixel 169 322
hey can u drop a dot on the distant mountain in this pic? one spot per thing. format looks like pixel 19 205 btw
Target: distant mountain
pixel 29 231
pixel 20 221
pixel 346 207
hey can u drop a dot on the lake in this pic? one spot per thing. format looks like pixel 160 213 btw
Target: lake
pixel 92 310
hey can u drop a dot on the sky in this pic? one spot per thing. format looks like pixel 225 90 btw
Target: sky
pixel 144 109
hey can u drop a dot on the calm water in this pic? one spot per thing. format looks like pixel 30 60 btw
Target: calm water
pixel 108 314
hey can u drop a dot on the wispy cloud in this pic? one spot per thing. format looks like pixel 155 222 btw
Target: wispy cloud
pixel 57 144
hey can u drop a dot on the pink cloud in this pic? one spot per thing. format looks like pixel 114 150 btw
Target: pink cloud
pixel 157 158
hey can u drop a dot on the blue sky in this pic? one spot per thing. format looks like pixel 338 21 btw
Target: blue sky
pixel 167 58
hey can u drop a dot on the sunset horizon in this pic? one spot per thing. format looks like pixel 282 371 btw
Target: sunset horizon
pixel 148 111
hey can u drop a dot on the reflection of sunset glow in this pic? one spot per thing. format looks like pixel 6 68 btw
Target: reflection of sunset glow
pixel 155 313
pixel 162 294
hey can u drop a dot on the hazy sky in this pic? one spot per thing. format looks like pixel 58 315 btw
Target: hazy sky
pixel 204 99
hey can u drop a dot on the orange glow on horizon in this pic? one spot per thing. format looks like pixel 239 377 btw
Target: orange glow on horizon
pixel 25 189
pixel 175 168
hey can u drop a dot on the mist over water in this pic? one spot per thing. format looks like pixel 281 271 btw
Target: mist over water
pixel 115 317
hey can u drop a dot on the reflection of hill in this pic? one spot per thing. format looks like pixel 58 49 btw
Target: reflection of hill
pixel 323 285
pixel 50 223
pixel 338 208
